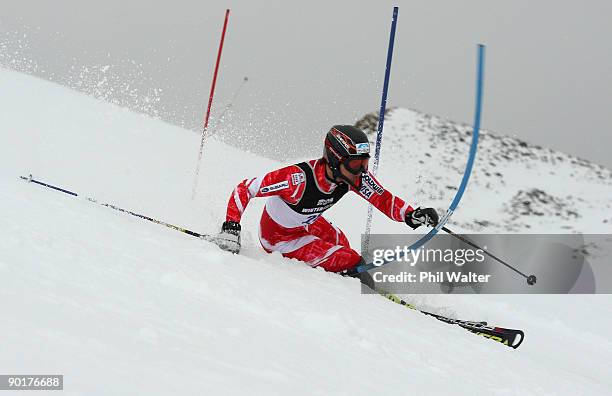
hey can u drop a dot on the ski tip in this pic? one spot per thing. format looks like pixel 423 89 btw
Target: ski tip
pixel 521 337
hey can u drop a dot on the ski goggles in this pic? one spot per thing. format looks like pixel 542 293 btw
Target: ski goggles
pixel 356 165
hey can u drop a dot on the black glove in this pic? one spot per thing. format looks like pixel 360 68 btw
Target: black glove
pixel 231 227
pixel 418 217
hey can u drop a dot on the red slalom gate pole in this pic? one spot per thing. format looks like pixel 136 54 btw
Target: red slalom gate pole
pixel 210 99
pixel 214 81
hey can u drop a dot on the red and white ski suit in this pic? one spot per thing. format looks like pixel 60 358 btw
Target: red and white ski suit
pixel 291 222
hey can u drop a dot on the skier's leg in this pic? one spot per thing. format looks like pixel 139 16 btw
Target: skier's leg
pixel 276 238
pixel 319 245
pixel 328 232
pixel 320 253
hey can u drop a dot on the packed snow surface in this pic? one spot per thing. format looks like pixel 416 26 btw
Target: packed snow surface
pixel 119 305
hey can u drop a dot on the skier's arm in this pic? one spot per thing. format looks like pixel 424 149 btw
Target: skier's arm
pixel 371 190
pixel 287 182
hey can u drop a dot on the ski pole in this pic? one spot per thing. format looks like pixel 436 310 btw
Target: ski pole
pixel 531 279
pixel 206 237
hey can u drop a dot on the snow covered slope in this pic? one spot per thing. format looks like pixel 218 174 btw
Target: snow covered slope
pixel 515 186
pixel 123 306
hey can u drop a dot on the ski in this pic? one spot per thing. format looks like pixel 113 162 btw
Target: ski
pixel 512 338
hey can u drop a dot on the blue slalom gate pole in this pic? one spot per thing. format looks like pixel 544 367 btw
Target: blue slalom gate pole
pixel 381 121
pixel 468 167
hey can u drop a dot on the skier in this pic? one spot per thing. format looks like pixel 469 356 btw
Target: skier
pixel 291 222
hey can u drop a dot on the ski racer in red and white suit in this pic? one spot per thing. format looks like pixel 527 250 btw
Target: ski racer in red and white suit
pixel 298 195
pixel 291 222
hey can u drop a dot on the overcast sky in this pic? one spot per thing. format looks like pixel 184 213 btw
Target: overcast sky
pixel 314 64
